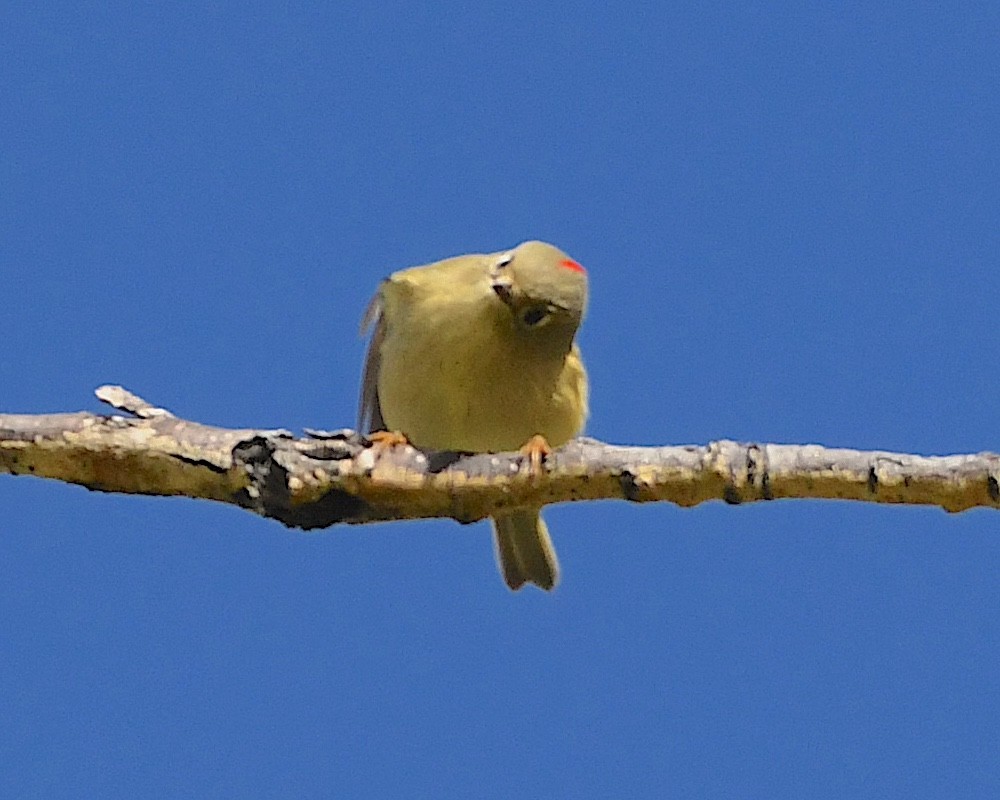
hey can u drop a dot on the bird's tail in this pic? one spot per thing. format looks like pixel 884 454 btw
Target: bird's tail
pixel 524 550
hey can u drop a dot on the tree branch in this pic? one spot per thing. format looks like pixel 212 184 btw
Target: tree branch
pixel 334 477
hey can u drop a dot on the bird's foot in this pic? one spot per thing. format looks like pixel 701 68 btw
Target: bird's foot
pixel 535 450
pixel 386 440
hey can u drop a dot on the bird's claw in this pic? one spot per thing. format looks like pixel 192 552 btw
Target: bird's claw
pixel 386 440
pixel 535 450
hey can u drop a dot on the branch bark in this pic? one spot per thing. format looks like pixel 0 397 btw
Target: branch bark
pixel 325 478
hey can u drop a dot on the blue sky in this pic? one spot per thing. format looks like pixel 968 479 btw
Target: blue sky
pixel 789 216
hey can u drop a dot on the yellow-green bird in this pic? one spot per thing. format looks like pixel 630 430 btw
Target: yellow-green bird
pixel 477 354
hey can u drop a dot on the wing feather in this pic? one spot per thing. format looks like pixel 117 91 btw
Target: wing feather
pixel 369 410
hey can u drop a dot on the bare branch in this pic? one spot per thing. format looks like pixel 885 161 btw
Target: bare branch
pixel 334 477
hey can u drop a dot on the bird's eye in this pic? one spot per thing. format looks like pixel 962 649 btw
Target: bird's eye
pixel 505 261
pixel 534 316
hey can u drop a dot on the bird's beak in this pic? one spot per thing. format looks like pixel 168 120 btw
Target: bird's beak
pixel 503 291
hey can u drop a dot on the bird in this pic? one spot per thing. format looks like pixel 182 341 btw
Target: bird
pixel 477 353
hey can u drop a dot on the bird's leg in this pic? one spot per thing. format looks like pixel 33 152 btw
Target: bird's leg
pixel 536 450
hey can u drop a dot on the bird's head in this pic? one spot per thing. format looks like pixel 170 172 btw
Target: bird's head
pixel 541 286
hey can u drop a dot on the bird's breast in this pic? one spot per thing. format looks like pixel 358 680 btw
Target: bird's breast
pixel 455 374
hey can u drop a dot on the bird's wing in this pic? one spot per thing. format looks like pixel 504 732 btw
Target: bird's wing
pixel 369 410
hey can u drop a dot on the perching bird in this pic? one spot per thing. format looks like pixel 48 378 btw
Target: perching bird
pixel 476 354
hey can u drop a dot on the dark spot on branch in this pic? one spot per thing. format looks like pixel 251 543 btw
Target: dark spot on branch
pixel 872 480
pixel 731 496
pixel 757 474
pixel 269 496
pixel 329 450
pixel 200 462
pixel 335 506
pixel 993 488
pixel 268 493
pixel 630 488
pixel 440 460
